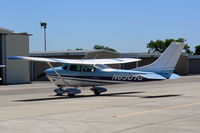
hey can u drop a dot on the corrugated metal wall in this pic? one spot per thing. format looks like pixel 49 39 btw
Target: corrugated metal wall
pixel 17 71
pixel 1 58
pixel 194 66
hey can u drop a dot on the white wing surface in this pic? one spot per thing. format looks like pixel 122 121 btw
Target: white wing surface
pixel 76 61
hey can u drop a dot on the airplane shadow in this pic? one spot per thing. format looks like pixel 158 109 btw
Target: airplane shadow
pixel 77 96
pixel 162 96
pixel 122 94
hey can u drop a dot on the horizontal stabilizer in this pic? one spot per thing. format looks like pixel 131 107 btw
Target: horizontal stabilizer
pixel 174 76
pixel 152 76
pixel 76 61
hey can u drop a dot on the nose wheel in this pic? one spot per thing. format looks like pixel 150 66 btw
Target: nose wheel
pixel 98 90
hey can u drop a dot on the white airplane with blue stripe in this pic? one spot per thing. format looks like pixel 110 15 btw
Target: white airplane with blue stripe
pixel 94 72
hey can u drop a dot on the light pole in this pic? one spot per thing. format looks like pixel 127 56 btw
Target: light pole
pixel 44 25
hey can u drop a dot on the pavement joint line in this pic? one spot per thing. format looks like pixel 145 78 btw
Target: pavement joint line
pixel 152 123
pixel 156 110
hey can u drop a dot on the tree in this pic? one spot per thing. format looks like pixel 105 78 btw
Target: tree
pixel 197 50
pixel 100 47
pixel 160 46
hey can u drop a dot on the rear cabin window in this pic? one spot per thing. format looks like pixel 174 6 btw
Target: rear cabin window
pixel 65 66
pixel 88 68
pixel 74 67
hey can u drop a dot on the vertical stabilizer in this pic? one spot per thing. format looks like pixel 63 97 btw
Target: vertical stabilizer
pixel 166 63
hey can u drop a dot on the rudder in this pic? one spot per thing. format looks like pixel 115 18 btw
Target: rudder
pixel 166 63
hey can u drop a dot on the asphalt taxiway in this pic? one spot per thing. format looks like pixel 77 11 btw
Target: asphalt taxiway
pixel 170 106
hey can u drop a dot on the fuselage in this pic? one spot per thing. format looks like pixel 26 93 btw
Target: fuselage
pixel 83 75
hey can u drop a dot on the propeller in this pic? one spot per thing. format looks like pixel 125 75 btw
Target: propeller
pixel 41 75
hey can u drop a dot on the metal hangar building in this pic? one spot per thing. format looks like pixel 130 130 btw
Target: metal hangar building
pixel 14 44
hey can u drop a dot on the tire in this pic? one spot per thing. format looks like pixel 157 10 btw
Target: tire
pixel 97 93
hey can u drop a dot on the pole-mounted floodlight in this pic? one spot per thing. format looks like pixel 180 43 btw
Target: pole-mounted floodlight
pixel 44 25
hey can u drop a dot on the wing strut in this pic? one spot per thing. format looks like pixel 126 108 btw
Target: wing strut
pixel 60 77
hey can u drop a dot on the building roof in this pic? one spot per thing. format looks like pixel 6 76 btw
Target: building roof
pixel 5 31
pixel 67 52
pixel 194 57
pixel 11 32
pixel 141 55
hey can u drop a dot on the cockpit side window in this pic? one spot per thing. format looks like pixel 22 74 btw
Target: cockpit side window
pixel 88 68
pixel 65 66
pixel 74 67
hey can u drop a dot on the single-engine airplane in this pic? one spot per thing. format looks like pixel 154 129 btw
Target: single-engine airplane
pixel 94 72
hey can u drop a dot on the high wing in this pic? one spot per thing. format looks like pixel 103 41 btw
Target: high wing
pixel 76 61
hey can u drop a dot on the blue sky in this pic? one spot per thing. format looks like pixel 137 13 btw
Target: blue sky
pixel 125 25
